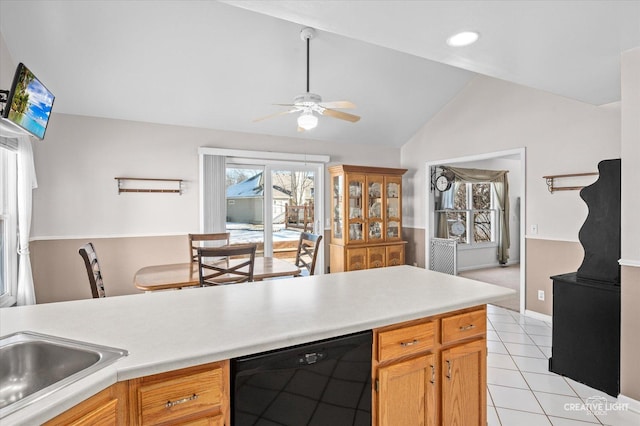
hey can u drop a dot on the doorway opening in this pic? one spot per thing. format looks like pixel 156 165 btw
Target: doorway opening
pixel 477 259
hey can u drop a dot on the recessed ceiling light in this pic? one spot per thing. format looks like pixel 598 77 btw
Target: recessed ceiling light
pixel 464 38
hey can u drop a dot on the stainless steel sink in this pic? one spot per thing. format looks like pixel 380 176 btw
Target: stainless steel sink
pixel 34 365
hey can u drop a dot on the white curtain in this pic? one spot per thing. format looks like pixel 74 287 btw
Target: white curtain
pixel 214 200
pixel 26 183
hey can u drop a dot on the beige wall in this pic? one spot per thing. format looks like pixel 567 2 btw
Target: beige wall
pixel 59 273
pixel 546 258
pixel 414 250
pixel 630 314
pixel 630 333
pixel 77 199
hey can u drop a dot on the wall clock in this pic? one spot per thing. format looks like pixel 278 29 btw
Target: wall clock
pixel 442 183
pixel 457 228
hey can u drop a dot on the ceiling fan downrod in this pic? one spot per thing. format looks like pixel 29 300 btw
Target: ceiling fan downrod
pixel 307 34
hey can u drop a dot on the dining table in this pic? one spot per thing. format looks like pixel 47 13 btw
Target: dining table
pixel 180 275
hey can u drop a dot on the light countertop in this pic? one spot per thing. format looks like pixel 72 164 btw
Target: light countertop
pixel 169 330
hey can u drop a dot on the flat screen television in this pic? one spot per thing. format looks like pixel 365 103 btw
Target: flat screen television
pixel 29 103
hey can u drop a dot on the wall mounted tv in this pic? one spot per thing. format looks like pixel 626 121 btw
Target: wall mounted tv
pixel 29 103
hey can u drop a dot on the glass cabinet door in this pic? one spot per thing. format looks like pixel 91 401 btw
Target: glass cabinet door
pixel 393 211
pixel 375 208
pixel 355 207
pixel 337 213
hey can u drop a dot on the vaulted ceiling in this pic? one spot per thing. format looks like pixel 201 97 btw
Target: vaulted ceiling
pixel 220 65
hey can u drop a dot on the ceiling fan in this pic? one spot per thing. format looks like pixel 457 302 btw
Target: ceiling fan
pixel 309 104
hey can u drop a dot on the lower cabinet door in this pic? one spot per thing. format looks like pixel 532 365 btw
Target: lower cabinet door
pixel 356 259
pixel 395 255
pixel 376 257
pixel 407 393
pixel 464 395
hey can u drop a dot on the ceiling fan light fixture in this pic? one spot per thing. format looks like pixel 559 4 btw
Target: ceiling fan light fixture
pixel 307 120
pixel 464 38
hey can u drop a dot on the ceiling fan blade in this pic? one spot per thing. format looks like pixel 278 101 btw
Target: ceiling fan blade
pixel 337 104
pixel 341 115
pixel 275 115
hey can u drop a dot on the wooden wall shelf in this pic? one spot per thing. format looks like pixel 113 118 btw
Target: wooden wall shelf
pixel 161 185
pixel 551 181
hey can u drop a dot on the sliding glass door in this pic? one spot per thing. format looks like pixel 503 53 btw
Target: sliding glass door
pixel 270 204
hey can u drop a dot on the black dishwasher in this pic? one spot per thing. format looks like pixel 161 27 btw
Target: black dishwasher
pixel 327 382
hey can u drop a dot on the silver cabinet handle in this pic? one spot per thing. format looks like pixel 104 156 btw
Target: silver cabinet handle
pixel 170 404
pixel 433 374
pixel 405 344
pixel 448 369
pixel 467 327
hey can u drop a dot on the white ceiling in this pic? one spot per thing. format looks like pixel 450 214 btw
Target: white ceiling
pixel 222 64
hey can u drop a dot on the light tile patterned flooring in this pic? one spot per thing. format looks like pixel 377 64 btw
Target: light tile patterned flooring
pixel 520 389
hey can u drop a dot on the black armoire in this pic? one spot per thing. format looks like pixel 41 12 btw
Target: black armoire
pixel 586 303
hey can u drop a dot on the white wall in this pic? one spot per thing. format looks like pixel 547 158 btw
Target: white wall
pixel 77 162
pixel 560 136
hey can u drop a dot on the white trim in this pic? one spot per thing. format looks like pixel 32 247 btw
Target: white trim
pixel 510 262
pixel 538 237
pixel 538 316
pixel 478 157
pixel 264 155
pixel 522 155
pixel 106 237
pixel 629 262
pixel 634 405
pixel 270 161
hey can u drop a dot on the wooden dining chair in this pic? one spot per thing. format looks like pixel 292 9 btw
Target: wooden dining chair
pixel 231 269
pixel 307 254
pixel 90 257
pixel 206 240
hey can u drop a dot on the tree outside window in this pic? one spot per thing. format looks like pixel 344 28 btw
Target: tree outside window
pixel 472 214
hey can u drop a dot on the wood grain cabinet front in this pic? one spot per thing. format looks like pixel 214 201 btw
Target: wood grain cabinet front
pixel 194 396
pixel 108 407
pixel 431 371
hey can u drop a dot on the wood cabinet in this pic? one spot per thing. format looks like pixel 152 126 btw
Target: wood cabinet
pixel 108 407
pixel 431 371
pixel 366 217
pixel 193 396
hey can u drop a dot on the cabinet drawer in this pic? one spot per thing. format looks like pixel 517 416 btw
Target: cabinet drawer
pixel 405 341
pixel 461 326
pixel 180 396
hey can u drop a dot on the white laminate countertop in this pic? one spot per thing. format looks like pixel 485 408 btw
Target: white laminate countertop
pixel 169 330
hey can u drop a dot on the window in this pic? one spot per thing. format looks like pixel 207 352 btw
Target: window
pixel 473 216
pixel 8 227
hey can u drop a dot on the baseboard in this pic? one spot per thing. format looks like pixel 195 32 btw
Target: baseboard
pixel 634 405
pixel 538 316
pixel 488 266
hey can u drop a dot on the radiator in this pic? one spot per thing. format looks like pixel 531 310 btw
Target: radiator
pixel 444 256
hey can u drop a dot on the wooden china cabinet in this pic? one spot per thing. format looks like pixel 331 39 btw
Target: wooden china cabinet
pixel 366 217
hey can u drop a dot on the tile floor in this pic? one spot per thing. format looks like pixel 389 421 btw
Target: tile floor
pixel 520 389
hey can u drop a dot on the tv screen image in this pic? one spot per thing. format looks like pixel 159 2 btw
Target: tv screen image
pixel 29 103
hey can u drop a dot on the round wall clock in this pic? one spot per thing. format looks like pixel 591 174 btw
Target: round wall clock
pixel 442 183
pixel 457 228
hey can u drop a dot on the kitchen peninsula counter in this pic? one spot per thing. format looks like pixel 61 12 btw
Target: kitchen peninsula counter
pixel 170 330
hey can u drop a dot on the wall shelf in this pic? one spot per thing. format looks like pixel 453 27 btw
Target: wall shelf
pixel 551 181
pixel 149 185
